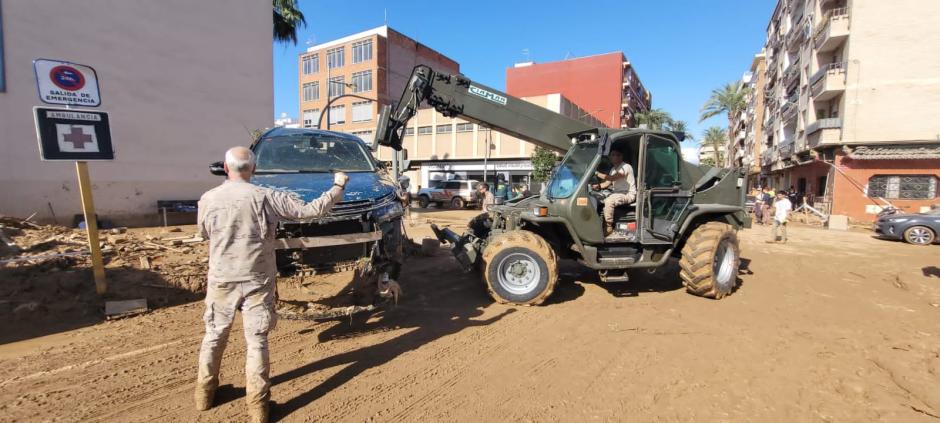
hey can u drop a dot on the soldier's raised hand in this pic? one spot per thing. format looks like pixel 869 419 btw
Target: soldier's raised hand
pixel 340 178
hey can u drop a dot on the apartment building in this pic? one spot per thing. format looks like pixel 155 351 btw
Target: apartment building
pixel 444 148
pixel 744 135
pixel 706 154
pixel 359 73
pixel 605 85
pixel 850 104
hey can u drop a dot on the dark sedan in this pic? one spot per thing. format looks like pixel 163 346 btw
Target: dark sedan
pixel 917 229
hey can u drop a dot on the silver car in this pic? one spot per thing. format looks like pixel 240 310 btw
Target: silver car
pixel 457 193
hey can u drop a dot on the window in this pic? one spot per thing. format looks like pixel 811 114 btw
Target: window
pixel 311 153
pixel 311 118
pixel 311 91
pixel 335 57
pixel 362 111
pixel 464 127
pixel 337 86
pixel 362 81
pixel 409 131
pixel 424 130
pixel 365 135
pixel 362 51
pixel 455 185
pixel 903 187
pixel 311 64
pixel 337 115
pixel 445 129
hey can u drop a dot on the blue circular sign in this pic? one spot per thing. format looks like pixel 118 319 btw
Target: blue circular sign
pixel 67 78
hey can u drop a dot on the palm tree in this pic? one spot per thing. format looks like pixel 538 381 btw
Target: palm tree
pixel 677 125
pixel 730 99
pixel 287 18
pixel 654 119
pixel 715 138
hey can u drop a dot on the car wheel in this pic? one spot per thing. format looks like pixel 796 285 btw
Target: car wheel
pixel 457 203
pixel 919 235
pixel 424 201
pixel 519 267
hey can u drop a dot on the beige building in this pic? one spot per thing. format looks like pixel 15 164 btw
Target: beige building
pixel 747 135
pixel 851 98
pixel 443 148
pixel 182 81
pixel 362 72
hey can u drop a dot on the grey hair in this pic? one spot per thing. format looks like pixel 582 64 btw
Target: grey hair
pixel 240 159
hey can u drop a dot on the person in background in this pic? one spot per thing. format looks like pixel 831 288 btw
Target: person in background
pixel 758 205
pixel 486 197
pixel 782 209
pixel 766 200
pixel 239 219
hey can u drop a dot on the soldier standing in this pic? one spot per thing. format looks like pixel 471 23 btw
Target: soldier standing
pixel 239 220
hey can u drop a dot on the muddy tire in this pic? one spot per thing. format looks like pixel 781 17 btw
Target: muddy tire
pixel 458 203
pixel 424 201
pixel 710 260
pixel 919 235
pixel 519 267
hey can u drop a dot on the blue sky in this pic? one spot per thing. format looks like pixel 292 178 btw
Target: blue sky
pixel 682 49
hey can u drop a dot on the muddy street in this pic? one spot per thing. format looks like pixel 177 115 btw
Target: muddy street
pixel 833 326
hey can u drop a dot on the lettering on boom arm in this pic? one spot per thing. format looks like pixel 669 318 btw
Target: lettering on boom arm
pixel 491 96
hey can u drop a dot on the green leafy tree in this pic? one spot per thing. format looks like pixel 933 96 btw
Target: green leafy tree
pixel 730 99
pixel 543 160
pixel 714 137
pixel 655 119
pixel 287 19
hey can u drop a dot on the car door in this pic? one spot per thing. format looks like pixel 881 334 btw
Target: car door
pixel 661 202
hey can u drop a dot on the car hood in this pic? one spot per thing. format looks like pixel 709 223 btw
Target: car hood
pixel 309 186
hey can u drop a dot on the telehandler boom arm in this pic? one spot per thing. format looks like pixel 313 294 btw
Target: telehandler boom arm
pixel 458 96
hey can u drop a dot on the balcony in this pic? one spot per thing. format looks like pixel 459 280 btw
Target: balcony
pixel 767 157
pixel 832 31
pixel 824 131
pixel 828 82
pixel 785 150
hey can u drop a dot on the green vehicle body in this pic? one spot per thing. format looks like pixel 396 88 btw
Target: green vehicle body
pixel 674 197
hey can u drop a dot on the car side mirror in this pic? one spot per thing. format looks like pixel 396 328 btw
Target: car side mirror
pixel 217 168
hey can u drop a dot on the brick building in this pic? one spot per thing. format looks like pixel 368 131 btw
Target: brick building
pixel 605 85
pixel 369 68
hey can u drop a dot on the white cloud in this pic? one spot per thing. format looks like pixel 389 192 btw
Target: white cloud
pixel 690 154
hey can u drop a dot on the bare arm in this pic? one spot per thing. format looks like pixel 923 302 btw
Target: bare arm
pixel 288 206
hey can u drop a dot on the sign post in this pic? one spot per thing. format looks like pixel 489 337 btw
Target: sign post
pixel 91 226
pixel 74 135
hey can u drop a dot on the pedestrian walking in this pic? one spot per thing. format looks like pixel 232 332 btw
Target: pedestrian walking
pixel 782 209
pixel 239 219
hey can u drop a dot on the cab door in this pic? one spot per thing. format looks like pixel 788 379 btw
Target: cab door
pixel 661 201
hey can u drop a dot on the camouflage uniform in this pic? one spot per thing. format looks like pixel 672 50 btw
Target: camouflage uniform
pixel 239 220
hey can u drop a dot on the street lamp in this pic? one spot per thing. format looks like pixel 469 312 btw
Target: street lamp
pixel 331 100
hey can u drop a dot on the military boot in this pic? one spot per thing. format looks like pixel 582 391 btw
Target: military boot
pixel 258 413
pixel 204 397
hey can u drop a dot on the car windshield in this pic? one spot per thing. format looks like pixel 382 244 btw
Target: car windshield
pixel 297 153
pixel 569 172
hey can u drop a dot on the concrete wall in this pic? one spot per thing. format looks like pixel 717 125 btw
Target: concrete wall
pixel 893 79
pixel 182 81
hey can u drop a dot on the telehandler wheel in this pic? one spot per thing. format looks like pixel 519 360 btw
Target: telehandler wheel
pixel 519 267
pixel 710 260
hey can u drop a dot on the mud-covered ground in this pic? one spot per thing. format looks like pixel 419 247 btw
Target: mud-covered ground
pixel 833 326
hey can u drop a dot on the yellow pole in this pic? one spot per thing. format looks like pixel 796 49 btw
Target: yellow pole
pixel 91 226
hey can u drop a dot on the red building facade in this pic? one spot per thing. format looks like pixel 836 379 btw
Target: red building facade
pixel 605 85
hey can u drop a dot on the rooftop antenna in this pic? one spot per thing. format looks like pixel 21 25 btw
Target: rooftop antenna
pixel 525 53
pixel 567 55
pixel 386 16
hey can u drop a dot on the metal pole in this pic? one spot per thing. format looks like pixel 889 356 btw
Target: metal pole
pixel 91 226
pixel 328 88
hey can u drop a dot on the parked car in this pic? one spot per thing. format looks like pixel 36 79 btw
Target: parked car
pixel 301 161
pixel 917 229
pixel 457 193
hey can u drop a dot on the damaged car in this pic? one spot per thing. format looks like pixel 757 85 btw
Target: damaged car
pixel 368 218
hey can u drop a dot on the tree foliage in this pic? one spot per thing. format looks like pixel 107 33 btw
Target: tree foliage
pixel 661 120
pixel 543 160
pixel 730 99
pixel 716 138
pixel 287 19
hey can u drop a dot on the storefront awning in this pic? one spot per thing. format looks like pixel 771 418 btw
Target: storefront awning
pixel 895 152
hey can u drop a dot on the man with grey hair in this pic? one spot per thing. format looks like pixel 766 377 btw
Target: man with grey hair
pixel 239 219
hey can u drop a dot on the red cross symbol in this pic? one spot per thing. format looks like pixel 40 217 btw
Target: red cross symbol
pixel 78 139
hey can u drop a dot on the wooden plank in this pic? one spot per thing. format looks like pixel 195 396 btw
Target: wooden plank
pixel 327 241
pixel 91 226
